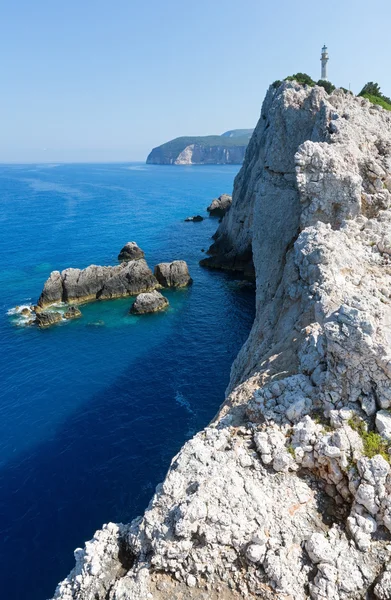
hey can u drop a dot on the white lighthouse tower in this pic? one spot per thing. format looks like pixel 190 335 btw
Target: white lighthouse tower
pixel 324 60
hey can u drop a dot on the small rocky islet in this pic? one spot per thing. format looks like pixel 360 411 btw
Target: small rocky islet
pixel 132 277
pixel 217 208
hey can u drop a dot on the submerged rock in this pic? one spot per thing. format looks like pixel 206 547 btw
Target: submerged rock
pixel 149 302
pixel 195 219
pixel 72 313
pixel 219 206
pixel 98 283
pixel 131 251
pixel 174 274
pixel 46 318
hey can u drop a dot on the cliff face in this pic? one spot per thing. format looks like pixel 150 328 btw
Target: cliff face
pixel 287 494
pixel 211 155
pixel 228 148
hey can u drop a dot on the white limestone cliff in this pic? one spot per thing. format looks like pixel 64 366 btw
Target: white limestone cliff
pixel 287 494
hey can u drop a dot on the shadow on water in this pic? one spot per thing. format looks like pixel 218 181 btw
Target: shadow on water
pixel 104 462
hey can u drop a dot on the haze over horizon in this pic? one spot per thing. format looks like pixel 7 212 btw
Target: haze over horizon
pixel 96 82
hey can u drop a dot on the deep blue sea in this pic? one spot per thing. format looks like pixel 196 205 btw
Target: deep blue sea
pixel 93 410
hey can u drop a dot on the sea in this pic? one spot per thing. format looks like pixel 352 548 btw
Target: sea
pixel 93 410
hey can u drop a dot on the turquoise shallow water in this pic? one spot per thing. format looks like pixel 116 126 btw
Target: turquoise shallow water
pixel 92 411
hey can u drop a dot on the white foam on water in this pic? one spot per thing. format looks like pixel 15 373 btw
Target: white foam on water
pixel 18 309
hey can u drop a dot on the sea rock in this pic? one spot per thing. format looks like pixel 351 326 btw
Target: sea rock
pixel 47 318
pixel 219 206
pixel 277 498
pixel 52 291
pixel 195 219
pixel 131 251
pixel 98 283
pixel 149 302
pixel 174 274
pixel 72 313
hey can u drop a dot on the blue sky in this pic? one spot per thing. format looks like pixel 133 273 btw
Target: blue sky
pixel 106 80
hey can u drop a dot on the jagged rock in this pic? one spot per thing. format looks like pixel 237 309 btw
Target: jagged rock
pixel 72 313
pixel 383 423
pixel 46 318
pixel 219 206
pixel 195 219
pixel 98 283
pixel 174 274
pixel 149 303
pixel 131 251
pixel 277 497
pixel 383 587
pixel 52 290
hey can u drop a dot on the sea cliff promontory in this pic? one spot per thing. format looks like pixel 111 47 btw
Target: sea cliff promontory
pixel 287 493
pixel 228 148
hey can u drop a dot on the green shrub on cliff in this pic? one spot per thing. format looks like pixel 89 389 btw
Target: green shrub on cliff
pixel 372 92
pixel 302 78
pixel 305 79
pixel 327 85
pixel 377 100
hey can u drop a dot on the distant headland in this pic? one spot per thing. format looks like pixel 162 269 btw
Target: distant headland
pixel 226 149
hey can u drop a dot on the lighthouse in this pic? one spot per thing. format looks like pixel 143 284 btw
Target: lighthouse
pixel 324 60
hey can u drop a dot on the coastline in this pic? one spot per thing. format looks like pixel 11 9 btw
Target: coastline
pixel 287 493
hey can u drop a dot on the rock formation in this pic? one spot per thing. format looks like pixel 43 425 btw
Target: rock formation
pixel 72 312
pixel 195 219
pixel 174 274
pixel 47 318
pixel 228 148
pixel 131 251
pixel 287 494
pixel 219 206
pixel 149 303
pixel 97 283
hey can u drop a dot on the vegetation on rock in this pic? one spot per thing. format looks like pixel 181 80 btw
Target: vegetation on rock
pixel 372 92
pixel 373 442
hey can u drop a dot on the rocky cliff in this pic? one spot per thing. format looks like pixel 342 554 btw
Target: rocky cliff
pixel 287 494
pixel 228 148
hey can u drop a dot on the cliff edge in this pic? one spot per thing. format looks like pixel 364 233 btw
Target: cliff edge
pixel 287 494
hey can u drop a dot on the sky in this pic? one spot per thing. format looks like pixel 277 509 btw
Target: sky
pixel 108 80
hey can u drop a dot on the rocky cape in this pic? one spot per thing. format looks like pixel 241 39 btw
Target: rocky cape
pixel 228 148
pixel 287 494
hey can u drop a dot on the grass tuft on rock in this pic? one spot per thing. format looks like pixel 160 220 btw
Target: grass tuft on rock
pixel 373 442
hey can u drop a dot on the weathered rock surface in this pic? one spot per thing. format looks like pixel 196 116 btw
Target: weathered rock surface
pixel 219 206
pixel 174 274
pixel 131 251
pixel 72 313
pixel 98 283
pixel 287 494
pixel 149 302
pixel 46 318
